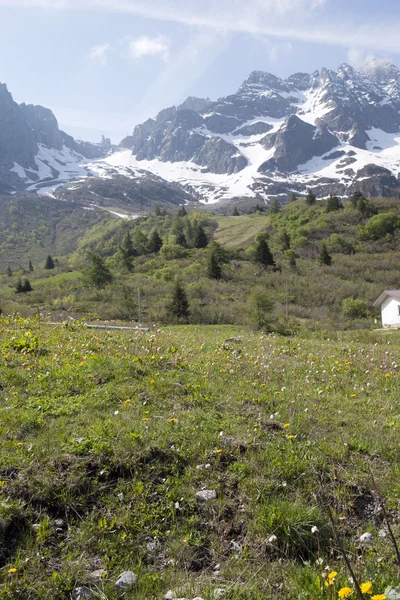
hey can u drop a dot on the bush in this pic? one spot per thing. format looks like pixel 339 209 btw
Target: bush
pixel 355 308
pixel 381 225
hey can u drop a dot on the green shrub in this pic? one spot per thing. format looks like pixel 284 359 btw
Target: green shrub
pixel 381 225
pixel 355 308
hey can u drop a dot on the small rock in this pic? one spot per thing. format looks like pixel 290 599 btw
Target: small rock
pixel 198 598
pixel 120 497
pixel 35 526
pixel 126 579
pixel 272 539
pixel 219 592
pixel 98 574
pixel 217 567
pixel 382 533
pixel 83 593
pixel 169 595
pixel 366 538
pixel 59 523
pixel 205 495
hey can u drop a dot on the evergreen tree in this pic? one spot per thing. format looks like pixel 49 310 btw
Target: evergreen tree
pixel 9 272
pixel 333 204
pixel 97 273
pixel 179 305
pixel 181 239
pixel 274 207
pixel 23 286
pixel 200 239
pixel 30 266
pixel 182 212
pixel 214 269
pixel 310 198
pixel 292 197
pixel 49 264
pixel 285 240
pixel 157 211
pixel 355 197
pixel 235 212
pixel 325 258
pixel 155 241
pixel 262 253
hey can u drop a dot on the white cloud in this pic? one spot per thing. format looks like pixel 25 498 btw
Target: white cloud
pixel 99 53
pixel 305 20
pixel 147 46
pixel 366 61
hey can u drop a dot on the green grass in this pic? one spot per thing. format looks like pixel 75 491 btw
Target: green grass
pixel 239 231
pixel 106 437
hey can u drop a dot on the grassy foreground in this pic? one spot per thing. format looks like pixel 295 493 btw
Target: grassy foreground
pixel 107 437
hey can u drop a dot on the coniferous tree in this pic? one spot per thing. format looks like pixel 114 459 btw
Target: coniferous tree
pixel 285 240
pixel 262 253
pixel 235 212
pixel 333 204
pixel 310 198
pixel 181 239
pixel 157 211
pixel 9 272
pixel 200 239
pixel 292 197
pixel 97 274
pixel 214 269
pixel 155 241
pixel 182 212
pixel 274 207
pixel 30 266
pixel 23 286
pixel 325 258
pixel 179 305
pixel 49 264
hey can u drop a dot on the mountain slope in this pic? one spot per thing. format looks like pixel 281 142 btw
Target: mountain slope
pixel 275 136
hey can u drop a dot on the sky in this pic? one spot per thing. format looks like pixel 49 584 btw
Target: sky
pixel 104 66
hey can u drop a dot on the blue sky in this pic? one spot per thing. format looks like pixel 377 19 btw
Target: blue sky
pixel 103 66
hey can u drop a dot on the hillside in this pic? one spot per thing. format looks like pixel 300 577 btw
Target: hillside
pixel 299 290
pixel 33 227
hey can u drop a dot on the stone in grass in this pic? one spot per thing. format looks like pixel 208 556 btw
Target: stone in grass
pixel 126 579
pixel 392 593
pixel 83 593
pixel 205 495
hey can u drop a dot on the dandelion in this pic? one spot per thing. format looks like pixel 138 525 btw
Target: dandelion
pixel 378 597
pixel 345 592
pixel 172 420
pixel 219 450
pixel 366 587
pixel 331 578
pixel 14 570
pixel 290 437
pixel 286 425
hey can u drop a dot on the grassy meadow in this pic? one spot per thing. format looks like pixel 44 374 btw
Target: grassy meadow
pixel 108 437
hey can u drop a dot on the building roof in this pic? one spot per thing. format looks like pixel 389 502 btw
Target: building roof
pixel 387 294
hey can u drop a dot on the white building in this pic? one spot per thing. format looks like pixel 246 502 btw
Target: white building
pixel 389 301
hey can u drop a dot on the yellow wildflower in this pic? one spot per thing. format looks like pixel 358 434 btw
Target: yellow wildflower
pixel 379 597
pixel 331 577
pixel 366 587
pixel 286 425
pixel 12 570
pixel 345 592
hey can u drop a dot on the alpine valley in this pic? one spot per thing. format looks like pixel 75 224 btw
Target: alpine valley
pixel 332 131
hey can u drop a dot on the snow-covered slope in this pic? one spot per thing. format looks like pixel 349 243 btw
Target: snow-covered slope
pixel 333 131
pixel 275 136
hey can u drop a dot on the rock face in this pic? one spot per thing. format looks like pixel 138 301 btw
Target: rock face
pixel 274 128
pixel 24 130
pixel 295 143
